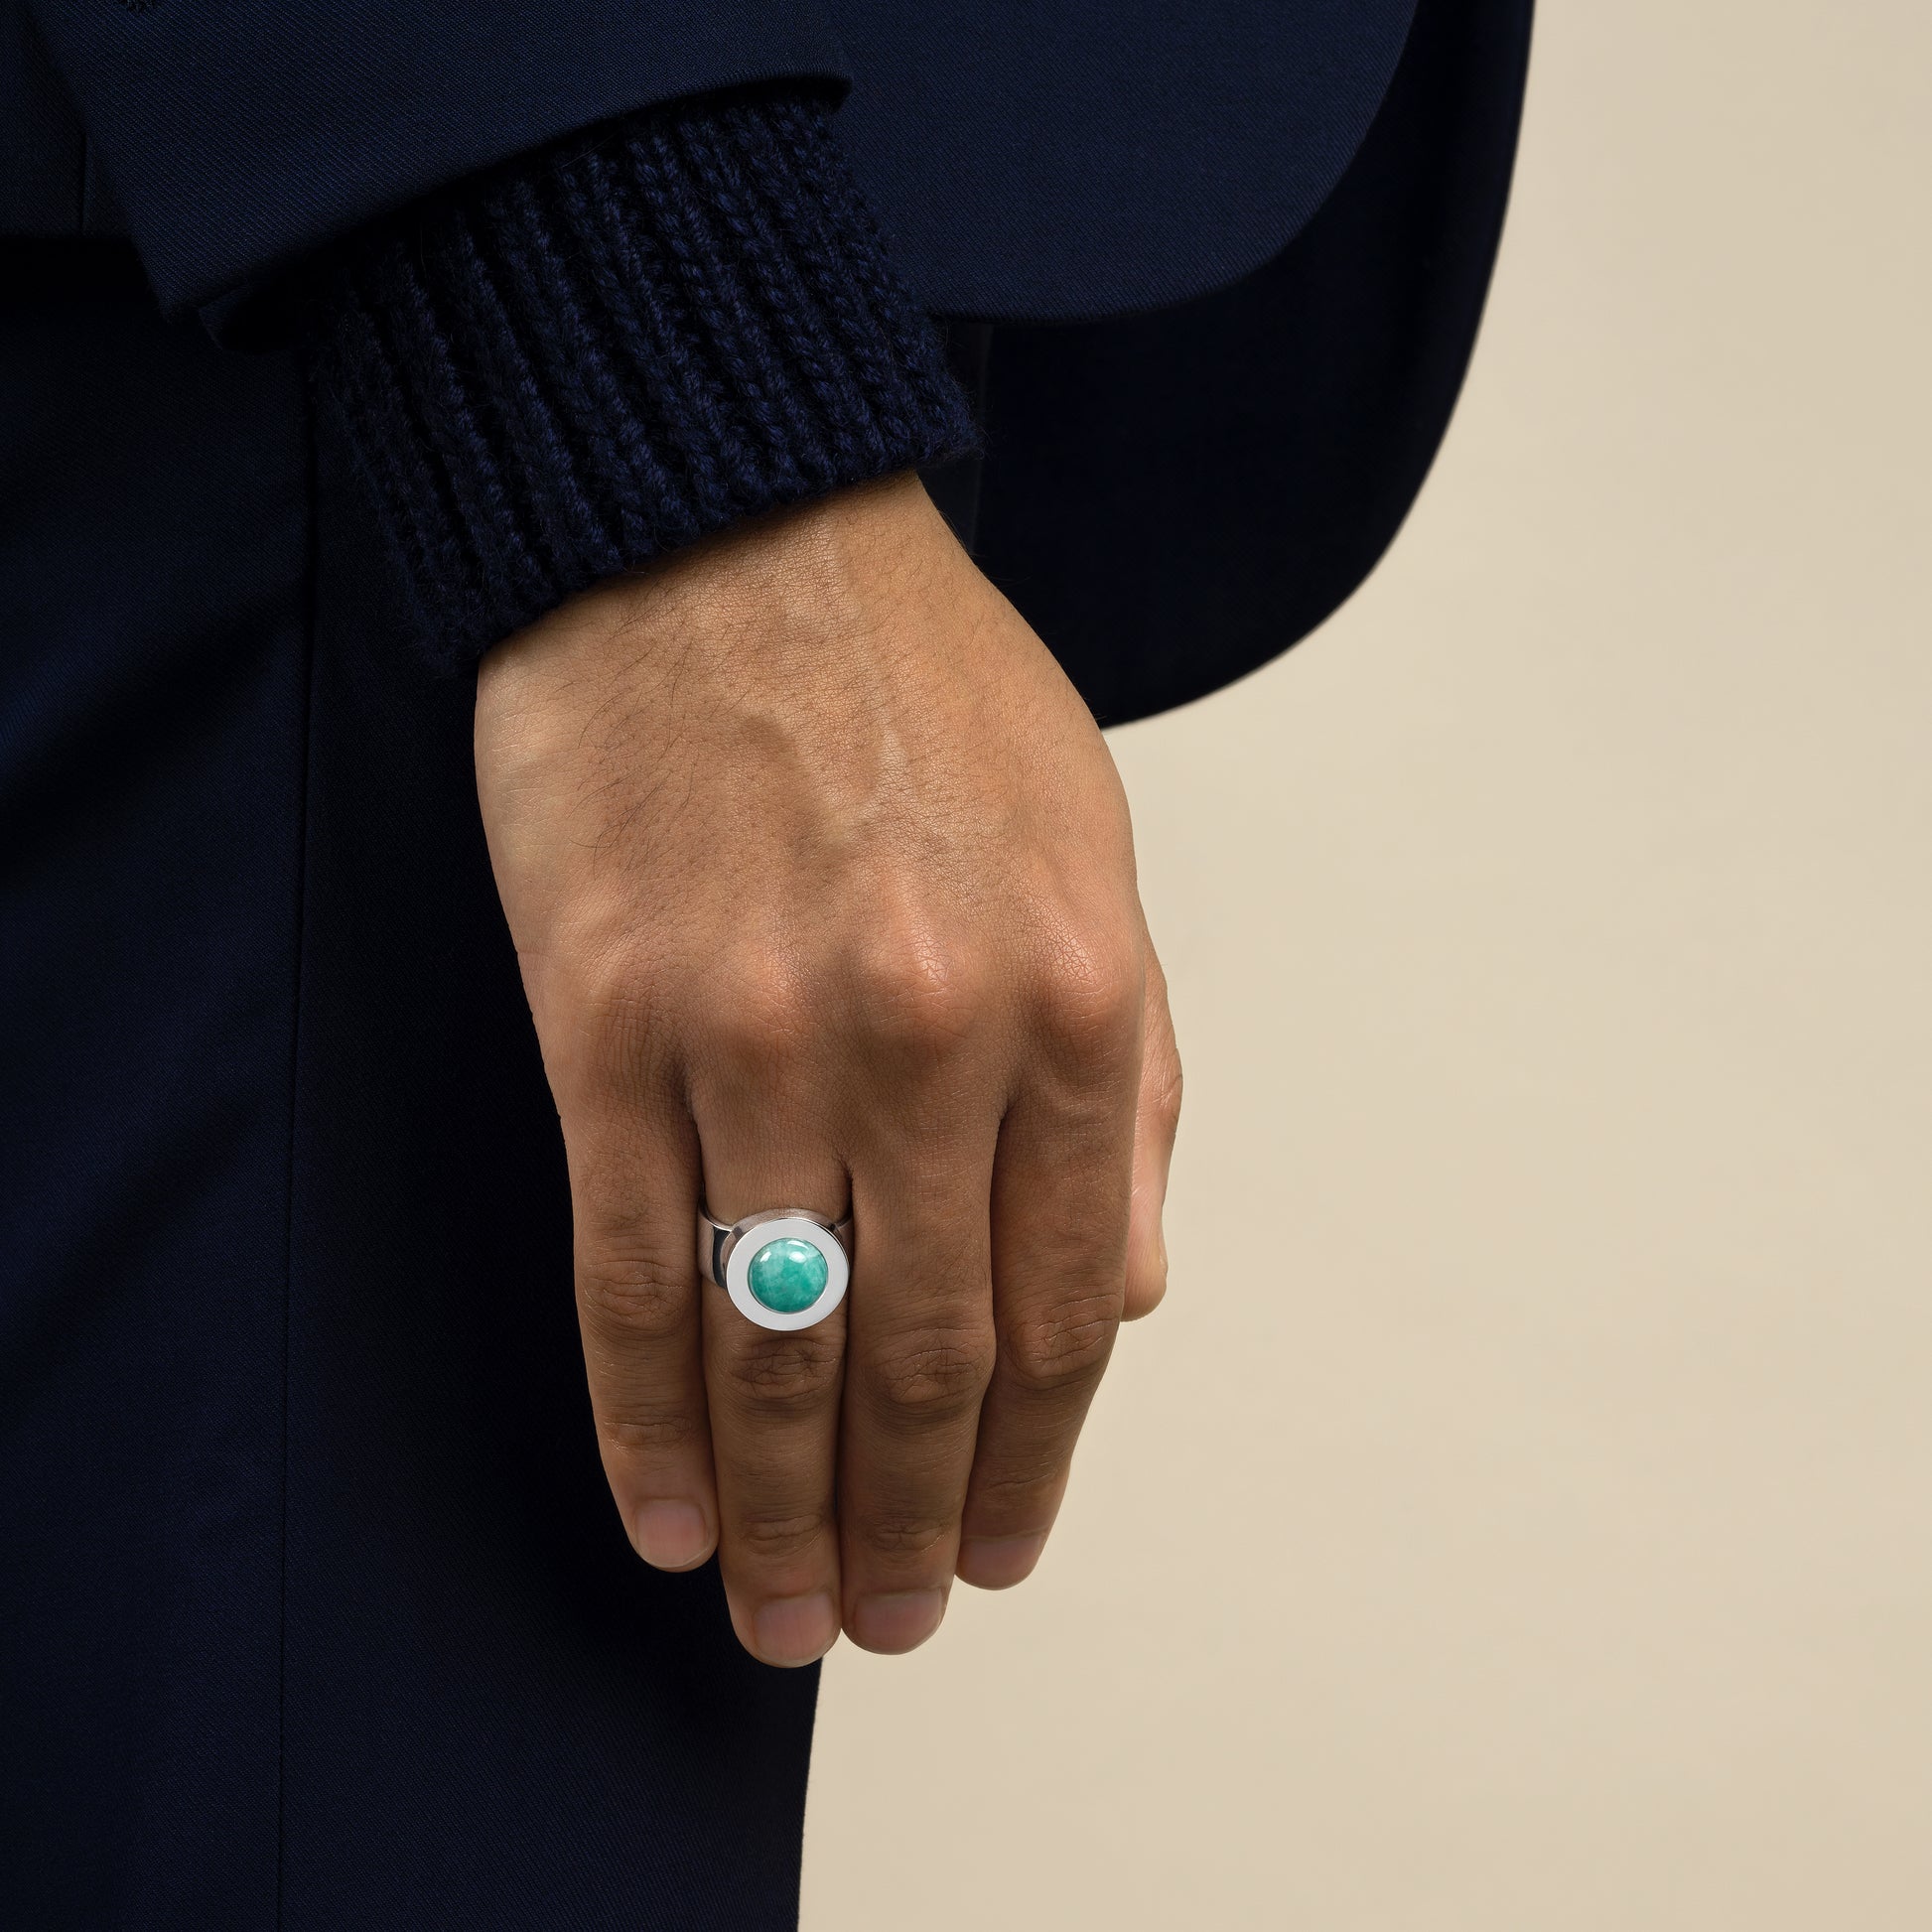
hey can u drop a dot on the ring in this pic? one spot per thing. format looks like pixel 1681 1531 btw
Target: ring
pixel 791 1273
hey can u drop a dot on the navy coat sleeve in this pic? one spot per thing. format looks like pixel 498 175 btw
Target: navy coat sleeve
pixel 239 136
pixel 1278 253
pixel 1031 160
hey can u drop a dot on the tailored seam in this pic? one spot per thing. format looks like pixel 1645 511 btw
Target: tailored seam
pixel 310 581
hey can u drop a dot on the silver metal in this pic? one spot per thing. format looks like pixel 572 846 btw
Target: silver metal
pixel 725 1260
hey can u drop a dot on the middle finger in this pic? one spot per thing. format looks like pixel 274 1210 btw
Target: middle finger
pixel 920 1354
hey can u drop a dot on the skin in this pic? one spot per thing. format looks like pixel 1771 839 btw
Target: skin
pixel 822 883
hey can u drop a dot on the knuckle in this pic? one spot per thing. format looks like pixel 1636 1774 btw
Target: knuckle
pixel 904 1535
pixel 1146 1293
pixel 935 1377
pixel 652 1429
pixel 1167 1092
pixel 641 1297
pixel 779 1374
pixel 771 1535
pixel 1065 1349
pixel 1091 995
pixel 759 1013
pixel 611 1002
pixel 918 994
pixel 1006 1502
pixel 1147 1281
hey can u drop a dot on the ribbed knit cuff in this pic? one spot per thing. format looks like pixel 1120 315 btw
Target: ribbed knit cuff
pixel 565 369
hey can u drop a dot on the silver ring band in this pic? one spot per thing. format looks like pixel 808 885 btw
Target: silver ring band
pixel 791 1276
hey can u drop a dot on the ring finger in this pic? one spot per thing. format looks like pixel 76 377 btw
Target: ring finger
pixel 774 1398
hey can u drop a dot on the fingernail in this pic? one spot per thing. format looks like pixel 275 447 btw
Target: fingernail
pixel 896 1620
pixel 998 1561
pixel 795 1629
pixel 672 1536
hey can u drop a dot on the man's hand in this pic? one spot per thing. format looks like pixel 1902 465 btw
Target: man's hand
pixel 822 883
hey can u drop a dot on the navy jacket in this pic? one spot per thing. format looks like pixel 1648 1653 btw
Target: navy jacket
pixel 1034 161
pixel 1275 226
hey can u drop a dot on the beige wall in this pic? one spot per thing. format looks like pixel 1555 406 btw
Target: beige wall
pixel 1531 1528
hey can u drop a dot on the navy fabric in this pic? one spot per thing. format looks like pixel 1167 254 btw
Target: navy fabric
pixel 241 135
pixel 41 142
pixel 316 1611
pixel 1174 500
pixel 562 370
pixel 151 693
pixel 1042 158
pixel 1053 160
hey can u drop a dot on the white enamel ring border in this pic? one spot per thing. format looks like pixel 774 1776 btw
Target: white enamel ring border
pixel 725 1260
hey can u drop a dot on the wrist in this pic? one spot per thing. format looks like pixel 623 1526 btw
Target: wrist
pixel 791 593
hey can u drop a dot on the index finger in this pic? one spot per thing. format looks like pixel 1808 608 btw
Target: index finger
pixel 633 1185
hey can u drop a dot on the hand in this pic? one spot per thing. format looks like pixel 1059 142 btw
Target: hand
pixel 822 885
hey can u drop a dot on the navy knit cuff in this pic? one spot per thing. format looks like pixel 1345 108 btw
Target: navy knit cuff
pixel 568 368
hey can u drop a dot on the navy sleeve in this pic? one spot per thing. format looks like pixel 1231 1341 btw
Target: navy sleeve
pixel 565 369
pixel 240 136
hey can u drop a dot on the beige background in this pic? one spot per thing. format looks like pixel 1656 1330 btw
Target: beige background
pixel 1531 1527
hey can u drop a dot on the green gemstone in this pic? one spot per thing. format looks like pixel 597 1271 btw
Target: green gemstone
pixel 788 1277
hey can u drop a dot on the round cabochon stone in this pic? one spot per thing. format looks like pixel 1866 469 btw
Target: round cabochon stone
pixel 787 1276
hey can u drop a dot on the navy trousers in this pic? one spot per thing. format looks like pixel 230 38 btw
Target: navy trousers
pixel 315 1609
